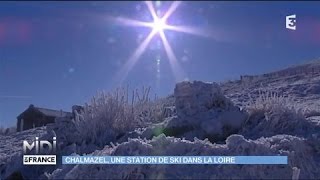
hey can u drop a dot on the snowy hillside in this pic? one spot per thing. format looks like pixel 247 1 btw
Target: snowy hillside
pixel 300 83
pixel 271 114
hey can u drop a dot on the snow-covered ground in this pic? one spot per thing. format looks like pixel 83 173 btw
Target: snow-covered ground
pixel 295 148
pixel 11 152
pixel 271 114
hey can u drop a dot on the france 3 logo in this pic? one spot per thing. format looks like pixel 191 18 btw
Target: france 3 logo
pixel 291 22
pixel 40 152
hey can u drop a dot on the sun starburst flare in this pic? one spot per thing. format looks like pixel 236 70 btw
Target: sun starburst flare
pixel 158 26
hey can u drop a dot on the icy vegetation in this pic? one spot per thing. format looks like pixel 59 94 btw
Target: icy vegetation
pixel 118 113
pixel 272 114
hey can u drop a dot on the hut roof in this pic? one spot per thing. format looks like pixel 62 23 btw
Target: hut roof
pixel 48 112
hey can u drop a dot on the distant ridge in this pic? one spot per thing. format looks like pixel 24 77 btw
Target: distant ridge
pixel 307 68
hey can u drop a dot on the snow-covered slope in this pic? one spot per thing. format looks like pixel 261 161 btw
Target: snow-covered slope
pixel 301 83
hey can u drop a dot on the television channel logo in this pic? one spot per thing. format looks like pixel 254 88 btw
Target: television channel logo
pixel 44 152
pixel 291 22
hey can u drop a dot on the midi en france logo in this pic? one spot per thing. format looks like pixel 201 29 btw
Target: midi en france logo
pixel 40 152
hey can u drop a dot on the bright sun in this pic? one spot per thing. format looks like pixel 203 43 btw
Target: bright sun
pixel 159 25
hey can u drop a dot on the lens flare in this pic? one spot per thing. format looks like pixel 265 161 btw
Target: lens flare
pixel 158 26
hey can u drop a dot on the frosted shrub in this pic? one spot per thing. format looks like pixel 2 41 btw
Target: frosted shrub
pixel 272 114
pixel 271 101
pixel 110 115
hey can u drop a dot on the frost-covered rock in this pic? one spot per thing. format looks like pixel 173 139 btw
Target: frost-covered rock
pixel 192 98
pixel 299 152
pixel 204 112
pixel 201 110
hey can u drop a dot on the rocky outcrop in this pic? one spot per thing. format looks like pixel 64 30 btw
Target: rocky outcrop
pixel 203 112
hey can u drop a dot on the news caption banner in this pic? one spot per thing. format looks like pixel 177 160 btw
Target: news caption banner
pixel 175 160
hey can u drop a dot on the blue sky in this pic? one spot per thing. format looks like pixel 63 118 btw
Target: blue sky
pixel 56 54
